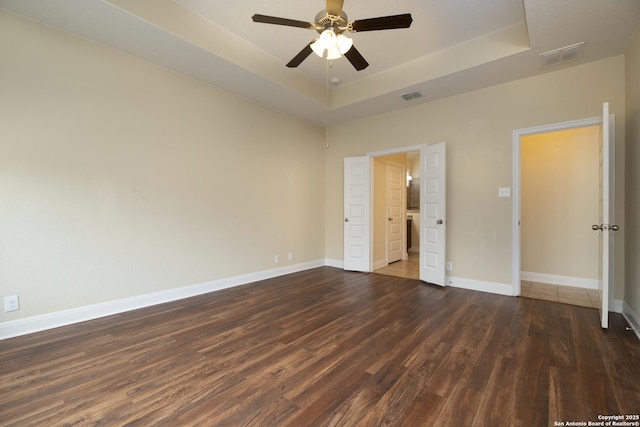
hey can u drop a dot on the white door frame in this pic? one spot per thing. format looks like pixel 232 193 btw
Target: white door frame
pixel 517 195
pixel 399 150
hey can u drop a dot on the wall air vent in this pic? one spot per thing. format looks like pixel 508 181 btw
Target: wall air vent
pixel 564 54
pixel 411 95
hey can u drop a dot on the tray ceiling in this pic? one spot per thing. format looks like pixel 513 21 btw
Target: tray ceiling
pixel 453 46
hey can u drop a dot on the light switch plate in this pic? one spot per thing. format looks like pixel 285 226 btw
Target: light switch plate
pixel 504 192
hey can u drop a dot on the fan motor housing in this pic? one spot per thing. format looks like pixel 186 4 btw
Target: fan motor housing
pixel 324 20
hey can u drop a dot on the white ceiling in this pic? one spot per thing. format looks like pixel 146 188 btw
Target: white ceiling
pixel 453 46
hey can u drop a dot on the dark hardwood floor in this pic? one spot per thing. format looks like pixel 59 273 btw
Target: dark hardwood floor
pixel 326 347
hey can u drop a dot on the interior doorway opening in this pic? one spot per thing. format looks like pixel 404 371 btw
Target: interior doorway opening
pixel 358 206
pixel 395 242
pixel 559 203
pixel 605 175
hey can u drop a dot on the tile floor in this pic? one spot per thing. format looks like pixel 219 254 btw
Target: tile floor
pixel 409 268
pixel 564 294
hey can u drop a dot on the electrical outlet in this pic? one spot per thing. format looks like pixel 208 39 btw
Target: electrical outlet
pixel 504 192
pixel 290 256
pixel 11 303
pixel 276 259
pixel 449 266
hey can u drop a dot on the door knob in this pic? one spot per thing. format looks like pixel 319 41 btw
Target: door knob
pixel 596 227
pixel 390 219
pixel 346 220
pixel 439 222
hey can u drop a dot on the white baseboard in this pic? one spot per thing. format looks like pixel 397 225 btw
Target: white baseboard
pixel 632 317
pixel 554 279
pixel 616 306
pixel 14 328
pixel 380 263
pixel 337 263
pixel 478 285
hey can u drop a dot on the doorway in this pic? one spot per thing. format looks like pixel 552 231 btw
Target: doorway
pixel 396 239
pixel 559 203
pixel 358 226
pixel 601 173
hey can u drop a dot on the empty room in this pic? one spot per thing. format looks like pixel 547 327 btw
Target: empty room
pixel 278 213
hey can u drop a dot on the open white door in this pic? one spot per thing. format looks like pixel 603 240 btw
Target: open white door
pixel 396 226
pixel 433 222
pixel 605 279
pixel 357 213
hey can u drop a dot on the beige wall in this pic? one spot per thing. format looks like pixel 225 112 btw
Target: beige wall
pixel 632 230
pixel 560 202
pixel 478 128
pixel 119 178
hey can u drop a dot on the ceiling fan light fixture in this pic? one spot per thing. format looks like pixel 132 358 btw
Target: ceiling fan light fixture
pixel 317 48
pixel 331 23
pixel 335 46
pixel 344 43
pixel 328 38
pixel 333 53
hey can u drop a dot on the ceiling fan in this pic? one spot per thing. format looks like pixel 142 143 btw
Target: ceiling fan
pixel 331 23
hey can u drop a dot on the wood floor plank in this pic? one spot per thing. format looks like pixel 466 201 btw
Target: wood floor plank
pixel 498 400
pixel 458 409
pixel 399 399
pixel 326 347
pixel 355 408
pixel 562 386
pixel 531 383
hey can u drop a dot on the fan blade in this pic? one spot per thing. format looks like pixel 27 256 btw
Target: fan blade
pixel 356 59
pixel 280 21
pixel 383 23
pixel 297 60
pixel 334 7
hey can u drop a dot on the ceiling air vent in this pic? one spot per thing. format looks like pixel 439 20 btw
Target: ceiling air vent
pixel 564 54
pixel 411 95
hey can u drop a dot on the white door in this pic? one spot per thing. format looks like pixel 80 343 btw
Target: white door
pixel 433 215
pixel 357 217
pixel 396 184
pixel 605 278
